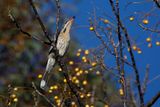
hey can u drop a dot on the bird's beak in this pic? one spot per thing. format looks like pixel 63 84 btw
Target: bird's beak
pixel 72 19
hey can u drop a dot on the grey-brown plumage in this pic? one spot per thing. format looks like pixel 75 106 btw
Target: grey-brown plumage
pixel 61 45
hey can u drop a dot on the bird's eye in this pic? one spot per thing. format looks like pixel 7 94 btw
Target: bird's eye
pixel 64 30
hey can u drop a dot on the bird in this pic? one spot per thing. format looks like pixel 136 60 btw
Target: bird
pixel 62 44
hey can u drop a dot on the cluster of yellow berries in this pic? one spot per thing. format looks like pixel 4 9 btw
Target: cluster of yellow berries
pixel 14 97
pixel 87 105
pixel 86 52
pixel 121 92
pixel 149 42
pixel 54 87
pixel 135 48
pixel 144 21
pixel 57 100
pixel 84 59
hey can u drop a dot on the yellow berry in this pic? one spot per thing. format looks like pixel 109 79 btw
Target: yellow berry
pixel 51 88
pixel 77 81
pixel 93 63
pixel 91 28
pixel 86 105
pixel 15 89
pixel 83 58
pixel 58 100
pixel 79 50
pixel 74 78
pixel 9 103
pixel 86 71
pixel 98 72
pixel 73 103
pixel 13 95
pixel 60 69
pixel 106 105
pixel 139 51
pixel 134 47
pixel 81 71
pixel 158 43
pixel 50 91
pixel 106 21
pixel 55 97
pixel 15 100
pixel 148 39
pixel 78 74
pixel 88 95
pixel 121 92
pixel 131 18
pixel 76 69
pixel 78 54
pixel 90 69
pixel 64 80
pixel 84 82
pixel 71 62
pixel 82 96
pixel 40 76
pixel 145 21
pixel 86 52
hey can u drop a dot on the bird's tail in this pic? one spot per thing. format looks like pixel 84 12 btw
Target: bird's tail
pixel 50 64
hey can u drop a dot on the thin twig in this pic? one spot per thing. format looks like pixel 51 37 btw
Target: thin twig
pixel 38 92
pixel 145 79
pixel 120 61
pixel 57 18
pixel 40 21
pixel 24 32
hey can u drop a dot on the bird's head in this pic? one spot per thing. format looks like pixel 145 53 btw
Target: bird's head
pixel 67 26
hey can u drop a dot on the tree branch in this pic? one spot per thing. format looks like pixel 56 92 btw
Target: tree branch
pixel 156 2
pixel 57 18
pixel 38 92
pixel 153 100
pixel 40 21
pixel 131 55
pixel 24 32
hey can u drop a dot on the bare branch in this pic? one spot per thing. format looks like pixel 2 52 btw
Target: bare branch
pixel 24 32
pixel 38 92
pixel 131 55
pixel 145 79
pixel 65 70
pixel 57 18
pixel 40 21
pixel 156 2
pixel 153 100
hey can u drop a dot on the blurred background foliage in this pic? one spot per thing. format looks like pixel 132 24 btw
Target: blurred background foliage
pixel 23 60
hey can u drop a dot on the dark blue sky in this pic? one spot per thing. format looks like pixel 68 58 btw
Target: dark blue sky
pixel 83 9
